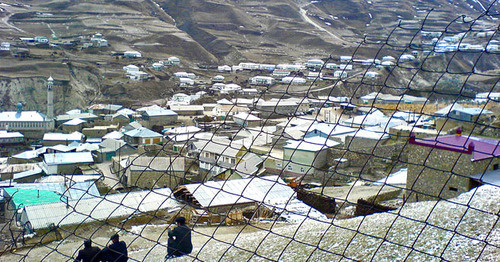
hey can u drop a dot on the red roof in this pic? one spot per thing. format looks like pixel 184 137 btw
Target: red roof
pixel 480 148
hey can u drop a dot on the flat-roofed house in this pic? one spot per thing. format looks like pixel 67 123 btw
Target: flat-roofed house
pixel 31 123
pixel 143 136
pixel 158 117
pixel 52 139
pixel 66 163
pixel 152 172
pixel 306 156
pixel 442 167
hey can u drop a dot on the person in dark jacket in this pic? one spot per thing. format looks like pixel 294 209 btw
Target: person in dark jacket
pixel 179 240
pixel 88 253
pixel 116 252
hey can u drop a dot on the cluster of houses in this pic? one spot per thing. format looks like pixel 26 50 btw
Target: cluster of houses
pixel 460 42
pixel 179 153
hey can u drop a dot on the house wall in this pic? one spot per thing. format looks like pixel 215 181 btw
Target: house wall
pixel 159 121
pixel 154 179
pixel 444 124
pixel 58 142
pixel 303 162
pixel 95 132
pixel 120 121
pixel 71 129
pixel 359 143
pixel 436 173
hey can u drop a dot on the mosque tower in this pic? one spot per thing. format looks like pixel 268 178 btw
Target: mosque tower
pixel 50 98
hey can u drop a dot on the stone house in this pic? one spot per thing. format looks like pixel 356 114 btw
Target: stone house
pixel 455 115
pixel 74 125
pixel 441 167
pixel 158 117
pixel 109 148
pixel 151 172
pixel 104 109
pixel 247 120
pixel 143 136
pixel 66 163
pixel 52 139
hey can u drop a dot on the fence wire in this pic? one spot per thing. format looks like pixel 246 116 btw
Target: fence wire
pixel 314 185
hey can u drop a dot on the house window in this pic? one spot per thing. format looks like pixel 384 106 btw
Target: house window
pixel 453 189
pixel 278 165
pixel 495 166
pixel 302 170
pixel 233 161
pixel 290 167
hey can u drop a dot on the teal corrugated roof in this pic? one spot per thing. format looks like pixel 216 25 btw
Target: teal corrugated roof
pixel 29 197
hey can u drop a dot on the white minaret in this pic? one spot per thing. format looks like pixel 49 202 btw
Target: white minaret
pixel 50 98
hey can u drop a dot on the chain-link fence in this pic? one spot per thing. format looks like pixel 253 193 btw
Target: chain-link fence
pixel 390 152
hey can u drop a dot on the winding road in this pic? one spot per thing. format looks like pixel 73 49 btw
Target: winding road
pixel 307 19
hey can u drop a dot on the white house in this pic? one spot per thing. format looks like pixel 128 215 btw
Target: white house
pixel 230 88
pixel 174 60
pixel 262 80
pixel 345 67
pixel 388 58
pixel 132 54
pixel 267 67
pixel 224 69
pixel 485 97
pixel 180 99
pixel 345 59
pixel 289 67
pixel 314 63
pixel 314 76
pixel 5 46
pixel 186 81
pixel 218 79
pixel 249 66
pixel 158 66
pixel 406 58
pixel 331 66
pixel 372 74
pixel 181 74
pixel 247 120
pixel 293 80
pixel 340 74
pixel 131 69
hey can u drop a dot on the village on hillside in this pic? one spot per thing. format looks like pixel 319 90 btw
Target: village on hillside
pixel 247 143
pixel 243 157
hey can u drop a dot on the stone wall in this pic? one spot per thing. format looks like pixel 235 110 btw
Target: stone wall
pixel 378 160
pixel 441 174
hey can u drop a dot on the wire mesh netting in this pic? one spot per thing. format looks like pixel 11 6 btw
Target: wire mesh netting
pixel 396 158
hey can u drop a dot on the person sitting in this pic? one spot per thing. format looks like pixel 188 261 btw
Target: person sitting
pixel 116 252
pixel 88 253
pixel 179 240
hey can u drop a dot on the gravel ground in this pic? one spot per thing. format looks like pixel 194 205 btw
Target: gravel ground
pixel 463 229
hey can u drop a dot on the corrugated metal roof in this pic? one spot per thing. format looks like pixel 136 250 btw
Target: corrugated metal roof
pixel 100 208
pixel 85 116
pixel 268 189
pixel 74 122
pixel 23 197
pixel 71 190
pixel 75 136
pixel 24 116
pixel 160 112
pixel 5 134
pixel 68 158
pixel 143 132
